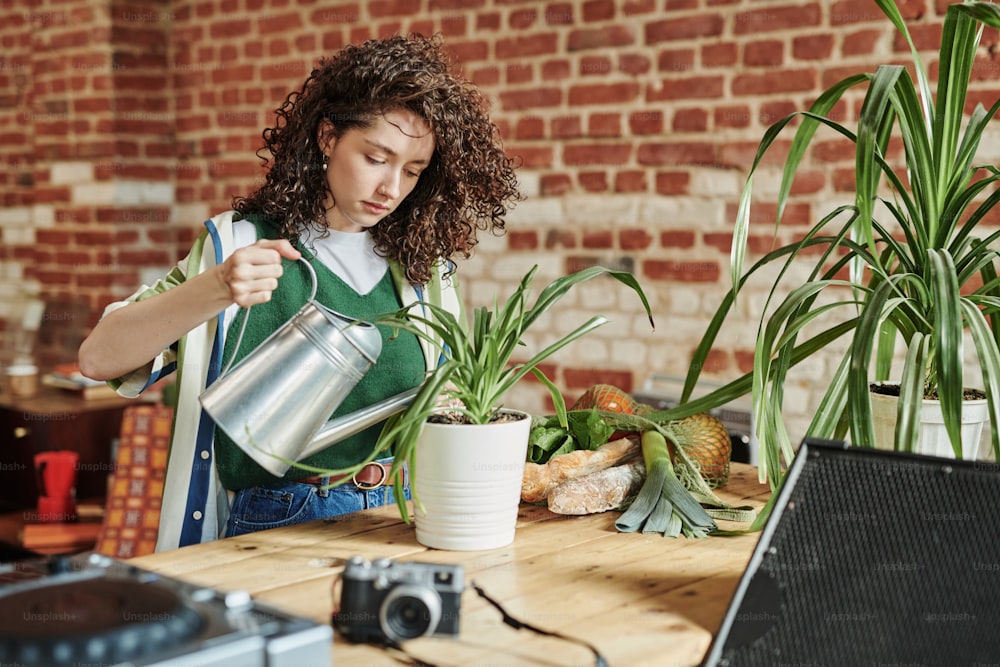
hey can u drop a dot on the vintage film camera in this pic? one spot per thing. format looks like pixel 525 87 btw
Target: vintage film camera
pixel 385 602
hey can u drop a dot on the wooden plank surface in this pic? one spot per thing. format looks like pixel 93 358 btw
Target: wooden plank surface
pixel 641 599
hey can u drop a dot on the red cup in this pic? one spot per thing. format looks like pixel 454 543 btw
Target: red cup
pixel 56 474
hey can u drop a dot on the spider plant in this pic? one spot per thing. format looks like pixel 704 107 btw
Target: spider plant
pixel 477 368
pixel 902 262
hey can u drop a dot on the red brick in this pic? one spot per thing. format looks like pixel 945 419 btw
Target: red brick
pixel 813 47
pixel 723 242
pixel 487 21
pixel 522 240
pixel 744 360
pixel 519 73
pixel 595 66
pixel 672 183
pixel 604 125
pixel 675 153
pixel 521 47
pixel 532 157
pixel 808 181
pixel 676 60
pixel 775 81
pixel 566 127
pixel 612 36
pixel 690 120
pixel 646 122
pixel 598 240
pixel 717 361
pixel 486 76
pixel 560 238
pixel 593 181
pixel 732 116
pixel 597 154
pixel 230 29
pixel 289 70
pixel 766 53
pixel 689 27
pixel 553 185
pixel 555 70
pixel 686 88
pixel 598 10
pixel 634 63
pixel 636 7
pixel 522 18
pixel 530 127
pixel 634 239
pixel 677 239
pixel 612 93
pixel 531 99
pixel 633 180
pixel 463 5
pixel 775 19
pixel 384 8
pixel 861 43
pixel 846 12
pixel 559 13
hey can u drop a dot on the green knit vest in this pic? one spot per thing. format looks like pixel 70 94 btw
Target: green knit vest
pixel 400 365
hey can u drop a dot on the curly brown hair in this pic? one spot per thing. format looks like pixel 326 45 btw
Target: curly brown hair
pixel 469 184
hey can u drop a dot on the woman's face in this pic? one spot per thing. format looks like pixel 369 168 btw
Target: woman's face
pixel 372 169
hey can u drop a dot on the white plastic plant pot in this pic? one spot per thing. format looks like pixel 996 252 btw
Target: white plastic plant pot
pixel 932 438
pixel 468 481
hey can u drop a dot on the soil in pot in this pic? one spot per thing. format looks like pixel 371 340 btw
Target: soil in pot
pixel 888 389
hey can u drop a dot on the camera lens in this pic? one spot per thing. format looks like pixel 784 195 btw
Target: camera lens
pixel 408 612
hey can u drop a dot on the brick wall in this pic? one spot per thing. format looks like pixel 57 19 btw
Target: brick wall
pixel 125 124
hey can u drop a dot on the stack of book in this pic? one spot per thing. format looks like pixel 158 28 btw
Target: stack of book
pixel 68 377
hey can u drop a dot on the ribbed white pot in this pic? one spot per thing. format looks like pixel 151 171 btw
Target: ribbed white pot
pixel 932 438
pixel 467 479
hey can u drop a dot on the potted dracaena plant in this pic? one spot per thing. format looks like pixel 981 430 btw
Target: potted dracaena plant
pixel 466 483
pixel 902 263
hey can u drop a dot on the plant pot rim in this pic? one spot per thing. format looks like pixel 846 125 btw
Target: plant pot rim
pixel 884 383
pixel 520 415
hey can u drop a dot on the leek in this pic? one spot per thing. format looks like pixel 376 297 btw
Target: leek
pixel 663 505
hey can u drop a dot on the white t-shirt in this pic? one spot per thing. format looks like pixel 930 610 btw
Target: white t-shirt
pixel 351 255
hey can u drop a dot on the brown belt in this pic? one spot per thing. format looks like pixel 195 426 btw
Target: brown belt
pixel 373 476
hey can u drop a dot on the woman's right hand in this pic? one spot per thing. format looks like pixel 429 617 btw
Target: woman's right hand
pixel 127 338
pixel 251 274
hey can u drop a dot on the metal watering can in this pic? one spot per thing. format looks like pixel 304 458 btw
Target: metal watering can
pixel 275 403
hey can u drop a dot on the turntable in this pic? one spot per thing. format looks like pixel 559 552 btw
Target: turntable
pixel 95 610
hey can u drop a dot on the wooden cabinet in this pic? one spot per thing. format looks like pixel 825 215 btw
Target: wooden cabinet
pixel 56 419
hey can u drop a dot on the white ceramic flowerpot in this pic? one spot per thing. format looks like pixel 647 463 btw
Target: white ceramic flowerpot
pixel 932 438
pixel 467 479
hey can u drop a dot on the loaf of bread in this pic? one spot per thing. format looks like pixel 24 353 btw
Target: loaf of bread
pixel 599 491
pixel 541 478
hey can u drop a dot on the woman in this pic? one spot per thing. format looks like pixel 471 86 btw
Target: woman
pixel 383 167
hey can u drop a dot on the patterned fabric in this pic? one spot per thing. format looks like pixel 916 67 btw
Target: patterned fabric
pixel 132 511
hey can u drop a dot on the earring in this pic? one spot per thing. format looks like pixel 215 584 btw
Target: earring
pixel 326 161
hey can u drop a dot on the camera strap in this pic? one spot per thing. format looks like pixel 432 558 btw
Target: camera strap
pixel 599 660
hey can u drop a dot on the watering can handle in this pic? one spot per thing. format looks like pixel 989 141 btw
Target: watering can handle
pixel 243 324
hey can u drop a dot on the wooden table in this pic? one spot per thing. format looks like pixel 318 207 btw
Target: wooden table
pixel 641 599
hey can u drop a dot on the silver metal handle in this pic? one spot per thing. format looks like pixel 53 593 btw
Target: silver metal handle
pixel 350 424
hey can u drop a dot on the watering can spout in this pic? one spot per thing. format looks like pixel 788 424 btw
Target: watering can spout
pixel 347 425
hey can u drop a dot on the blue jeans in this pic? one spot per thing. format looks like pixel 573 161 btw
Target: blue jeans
pixel 288 503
